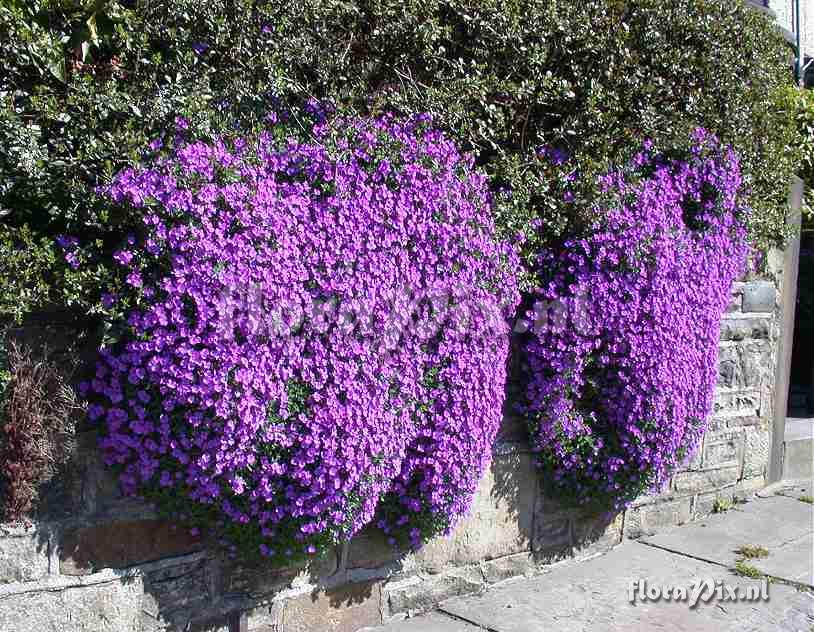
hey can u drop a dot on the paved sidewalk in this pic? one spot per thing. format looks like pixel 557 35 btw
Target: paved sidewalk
pixel 594 596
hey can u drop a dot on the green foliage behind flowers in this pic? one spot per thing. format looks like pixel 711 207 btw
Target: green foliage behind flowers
pixel 86 86
pixel 585 78
pixel 25 266
pixel 799 104
pixel 87 83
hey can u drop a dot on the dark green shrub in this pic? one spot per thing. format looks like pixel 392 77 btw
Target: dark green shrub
pixel 799 103
pixel 79 103
pixel 87 84
pixel 585 77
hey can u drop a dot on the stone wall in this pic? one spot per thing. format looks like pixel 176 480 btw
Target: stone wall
pixel 96 561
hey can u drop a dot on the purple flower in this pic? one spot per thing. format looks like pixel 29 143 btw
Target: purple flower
pixel 67 242
pixel 134 279
pixel 123 257
pixel 73 260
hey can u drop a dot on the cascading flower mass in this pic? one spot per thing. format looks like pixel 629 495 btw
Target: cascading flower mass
pixel 621 359
pixel 318 326
pixel 320 335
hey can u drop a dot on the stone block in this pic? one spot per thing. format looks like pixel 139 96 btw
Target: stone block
pixel 756 451
pixel 705 503
pixel 265 618
pixel 693 461
pixel 122 544
pixel 652 497
pixel 90 490
pixel 553 539
pixel 723 448
pixel 507 567
pixel 737 403
pixel 99 488
pixel 23 554
pixel 175 593
pixel 422 594
pixel 318 569
pixel 759 296
pixel 705 480
pixel 747 488
pixel 344 609
pixel 736 299
pixel 260 581
pixel 113 606
pixel 370 549
pixel 743 365
pixel 743 491
pixel 499 523
pixel 257 582
pixel 648 519
pixel 745 328
pixel 596 533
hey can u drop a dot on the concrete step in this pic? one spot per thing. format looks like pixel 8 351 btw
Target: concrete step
pixel 798 449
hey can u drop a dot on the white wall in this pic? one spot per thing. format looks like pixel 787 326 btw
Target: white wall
pixel 785 17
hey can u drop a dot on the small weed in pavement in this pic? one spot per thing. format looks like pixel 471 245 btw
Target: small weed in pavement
pixel 752 551
pixel 747 570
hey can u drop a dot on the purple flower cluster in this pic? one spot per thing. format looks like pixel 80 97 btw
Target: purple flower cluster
pixel 70 248
pixel 623 336
pixel 321 333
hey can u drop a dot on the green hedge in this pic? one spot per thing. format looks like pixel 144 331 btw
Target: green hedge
pixel 87 84
pixel 800 104
pixel 588 77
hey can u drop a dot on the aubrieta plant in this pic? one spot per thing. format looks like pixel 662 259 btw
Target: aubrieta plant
pixel 623 332
pixel 317 335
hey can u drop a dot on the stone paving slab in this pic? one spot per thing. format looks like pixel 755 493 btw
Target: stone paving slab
pixel 797 489
pixel 781 524
pixel 798 449
pixel 616 591
pixel 593 596
pixel 793 562
pixel 797 428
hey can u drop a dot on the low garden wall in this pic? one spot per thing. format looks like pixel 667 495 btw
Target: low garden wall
pixel 98 561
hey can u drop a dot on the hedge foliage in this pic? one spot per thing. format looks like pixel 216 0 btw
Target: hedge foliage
pixel 88 83
pixel 800 104
pixel 588 78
